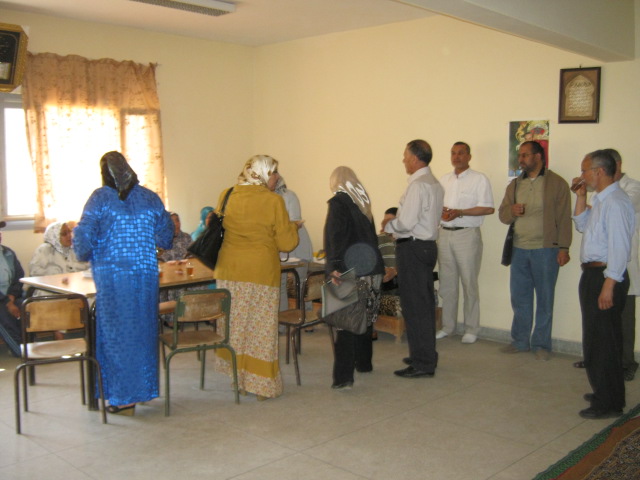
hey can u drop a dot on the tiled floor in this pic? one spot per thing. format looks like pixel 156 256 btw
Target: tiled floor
pixel 485 415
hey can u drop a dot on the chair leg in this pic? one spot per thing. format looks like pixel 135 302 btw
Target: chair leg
pixel 295 355
pixel 234 369
pixel 84 394
pixel 16 393
pixel 203 356
pixel 167 384
pixel 25 399
pixel 288 333
pixel 100 387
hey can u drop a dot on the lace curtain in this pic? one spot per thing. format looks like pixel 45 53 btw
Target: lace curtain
pixel 77 110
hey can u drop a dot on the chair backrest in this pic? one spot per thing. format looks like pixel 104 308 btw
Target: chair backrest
pixel 313 286
pixel 204 306
pixel 54 312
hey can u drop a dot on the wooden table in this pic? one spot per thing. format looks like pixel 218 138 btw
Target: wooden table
pixel 174 274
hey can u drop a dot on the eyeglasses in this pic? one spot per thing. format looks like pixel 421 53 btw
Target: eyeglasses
pixel 521 155
pixel 586 170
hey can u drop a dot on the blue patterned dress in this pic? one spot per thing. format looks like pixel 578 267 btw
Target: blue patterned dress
pixel 120 238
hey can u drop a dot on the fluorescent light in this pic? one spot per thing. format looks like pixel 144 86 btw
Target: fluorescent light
pixel 205 7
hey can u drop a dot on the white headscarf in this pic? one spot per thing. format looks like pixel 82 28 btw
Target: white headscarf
pixel 343 179
pixel 52 237
pixel 257 170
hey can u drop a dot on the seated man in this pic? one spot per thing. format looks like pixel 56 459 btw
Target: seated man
pixel 10 297
pixel 181 240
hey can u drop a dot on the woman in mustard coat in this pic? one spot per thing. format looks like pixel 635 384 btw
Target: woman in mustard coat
pixel 257 227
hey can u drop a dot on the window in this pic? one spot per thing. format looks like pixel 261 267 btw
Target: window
pixel 17 178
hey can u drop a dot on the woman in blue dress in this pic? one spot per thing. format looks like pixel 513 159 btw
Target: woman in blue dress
pixel 121 225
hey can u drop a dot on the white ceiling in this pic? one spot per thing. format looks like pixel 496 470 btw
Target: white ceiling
pixel 255 22
pixel 600 29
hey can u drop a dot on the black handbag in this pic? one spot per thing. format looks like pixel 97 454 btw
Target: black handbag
pixel 207 246
pixel 507 250
pixel 344 305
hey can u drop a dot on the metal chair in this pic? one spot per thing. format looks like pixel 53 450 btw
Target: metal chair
pixel 50 314
pixel 298 318
pixel 206 308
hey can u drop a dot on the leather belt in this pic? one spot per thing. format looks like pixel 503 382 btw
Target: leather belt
pixel 411 239
pixel 453 229
pixel 593 265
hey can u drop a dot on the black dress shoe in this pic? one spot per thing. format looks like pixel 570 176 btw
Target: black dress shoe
pixel 596 414
pixel 589 396
pixel 411 372
pixel 406 360
pixel 364 369
pixel 342 386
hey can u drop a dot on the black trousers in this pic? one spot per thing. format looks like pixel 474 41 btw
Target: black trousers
pixel 629 335
pixel 352 351
pixel 602 339
pixel 415 261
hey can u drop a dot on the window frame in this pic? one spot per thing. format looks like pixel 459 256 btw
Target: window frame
pixel 16 222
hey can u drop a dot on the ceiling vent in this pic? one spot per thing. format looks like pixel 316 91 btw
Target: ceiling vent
pixel 214 8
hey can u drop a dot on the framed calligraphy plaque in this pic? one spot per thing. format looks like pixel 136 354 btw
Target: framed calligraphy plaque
pixel 13 55
pixel 579 95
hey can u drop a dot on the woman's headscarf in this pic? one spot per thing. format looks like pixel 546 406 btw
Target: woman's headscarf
pixel 204 213
pixel 343 179
pixel 118 174
pixel 52 237
pixel 257 170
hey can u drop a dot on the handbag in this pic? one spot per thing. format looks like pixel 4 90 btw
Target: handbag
pixel 344 305
pixel 207 246
pixel 507 249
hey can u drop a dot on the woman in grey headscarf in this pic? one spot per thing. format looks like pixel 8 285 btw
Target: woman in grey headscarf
pixel 350 241
pixel 304 250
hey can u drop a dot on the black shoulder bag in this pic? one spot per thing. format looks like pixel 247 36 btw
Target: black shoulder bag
pixel 207 246
pixel 507 250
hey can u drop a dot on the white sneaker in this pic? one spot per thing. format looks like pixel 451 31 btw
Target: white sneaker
pixel 469 338
pixel 441 334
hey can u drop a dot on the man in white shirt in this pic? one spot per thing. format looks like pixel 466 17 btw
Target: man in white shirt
pixel 416 231
pixel 467 199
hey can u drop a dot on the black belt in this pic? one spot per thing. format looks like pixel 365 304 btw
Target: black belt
pixel 453 229
pixel 411 239
pixel 593 265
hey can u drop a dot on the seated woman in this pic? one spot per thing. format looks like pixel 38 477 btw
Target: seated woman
pixel 181 240
pixel 204 217
pixel 56 254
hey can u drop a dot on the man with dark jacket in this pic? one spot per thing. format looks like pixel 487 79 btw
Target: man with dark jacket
pixel 10 297
pixel 539 203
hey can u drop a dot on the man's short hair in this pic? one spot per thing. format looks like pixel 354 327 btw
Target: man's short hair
pixel 603 159
pixel 421 149
pixel 391 211
pixel 465 145
pixel 535 148
pixel 614 153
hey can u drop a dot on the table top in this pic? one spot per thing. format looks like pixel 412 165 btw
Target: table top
pixel 173 274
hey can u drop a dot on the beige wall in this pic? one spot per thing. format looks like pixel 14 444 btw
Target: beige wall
pixel 355 99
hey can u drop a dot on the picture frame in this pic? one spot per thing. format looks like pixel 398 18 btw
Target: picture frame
pixel 579 95
pixel 13 56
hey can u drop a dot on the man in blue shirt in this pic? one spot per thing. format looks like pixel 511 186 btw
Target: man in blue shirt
pixel 607 229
